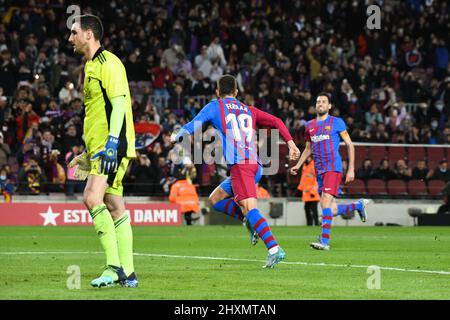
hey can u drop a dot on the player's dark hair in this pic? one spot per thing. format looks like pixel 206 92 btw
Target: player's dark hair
pixel 89 21
pixel 325 94
pixel 227 85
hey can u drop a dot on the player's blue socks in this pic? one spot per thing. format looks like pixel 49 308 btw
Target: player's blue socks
pixel 327 218
pixel 346 208
pixel 229 207
pixel 262 228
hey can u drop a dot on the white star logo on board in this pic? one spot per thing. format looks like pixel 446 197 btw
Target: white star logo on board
pixel 49 216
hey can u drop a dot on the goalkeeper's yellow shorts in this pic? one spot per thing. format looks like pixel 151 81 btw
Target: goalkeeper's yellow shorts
pixel 115 179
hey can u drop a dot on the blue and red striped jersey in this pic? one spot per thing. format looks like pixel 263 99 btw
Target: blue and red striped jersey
pixel 236 124
pixel 324 138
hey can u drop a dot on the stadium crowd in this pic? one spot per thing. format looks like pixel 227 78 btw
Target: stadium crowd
pixel 390 85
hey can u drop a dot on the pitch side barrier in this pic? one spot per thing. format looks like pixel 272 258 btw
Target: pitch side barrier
pixel 147 211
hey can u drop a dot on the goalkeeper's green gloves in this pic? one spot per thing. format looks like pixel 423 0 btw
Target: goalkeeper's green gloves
pixel 83 166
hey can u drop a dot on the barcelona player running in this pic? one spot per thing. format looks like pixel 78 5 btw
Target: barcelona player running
pixel 322 137
pixel 236 123
pixel 110 140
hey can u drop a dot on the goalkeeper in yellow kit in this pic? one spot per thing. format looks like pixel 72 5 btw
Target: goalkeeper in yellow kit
pixel 110 140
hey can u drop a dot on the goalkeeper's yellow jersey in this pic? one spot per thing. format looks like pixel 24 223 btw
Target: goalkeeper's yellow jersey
pixel 105 78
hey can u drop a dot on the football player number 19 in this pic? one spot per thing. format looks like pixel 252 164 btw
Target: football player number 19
pixel 241 124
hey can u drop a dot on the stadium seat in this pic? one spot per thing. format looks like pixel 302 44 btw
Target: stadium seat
pixel 397 187
pixel 376 187
pixel 434 156
pixel 396 153
pixel 415 154
pixel 376 154
pixel 357 187
pixel 343 151
pixel 360 154
pixel 435 187
pixel 417 188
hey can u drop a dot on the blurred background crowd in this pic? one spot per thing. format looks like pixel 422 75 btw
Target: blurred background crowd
pixel 390 85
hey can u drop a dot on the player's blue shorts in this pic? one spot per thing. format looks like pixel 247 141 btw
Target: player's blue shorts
pixel 226 184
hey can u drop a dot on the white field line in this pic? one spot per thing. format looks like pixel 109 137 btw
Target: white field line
pixel 311 264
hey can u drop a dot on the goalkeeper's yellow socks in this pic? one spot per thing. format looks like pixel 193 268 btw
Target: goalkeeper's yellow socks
pixel 124 236
pixel 104 227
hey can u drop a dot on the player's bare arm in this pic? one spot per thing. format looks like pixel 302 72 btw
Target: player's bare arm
pixel 351 156
pixel 306 153
pixel 266 119
pixel 294 152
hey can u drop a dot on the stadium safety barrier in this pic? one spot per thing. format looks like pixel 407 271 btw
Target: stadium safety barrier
pixel 76 214
pixel 51 211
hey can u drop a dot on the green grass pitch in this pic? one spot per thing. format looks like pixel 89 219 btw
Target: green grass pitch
pixel 218 262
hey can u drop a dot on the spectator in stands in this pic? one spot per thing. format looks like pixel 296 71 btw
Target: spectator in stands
pixel 373 117
pixel 162 79
pixel 135 68
pixel 420 171
pixel 3 106
pixel 366 172
pixel 68 93
pixel 8 72
pixel 171 56
pixel 412 135
pixel 177 100
pixel 41 65
pixel 397 114
pixel 401 170
pixel 441 172
pixel 441 59
pixel 444 136
pixel 31 178
pixel 41 100
pixel 272 48
pixel 48 143
pixel 70 139
pixel 142 175
pixel 251 57
pixel 53 114
pixel 27 119
pixel 183 67
pixel 28 149
pixel 380 134
pixel 54 172
pixel 6 187
pixel 216 71
pixel 5 151
pixel 201 86
pixel 383 171
pixel 215 51
pixel 168 126
pixel 203 62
